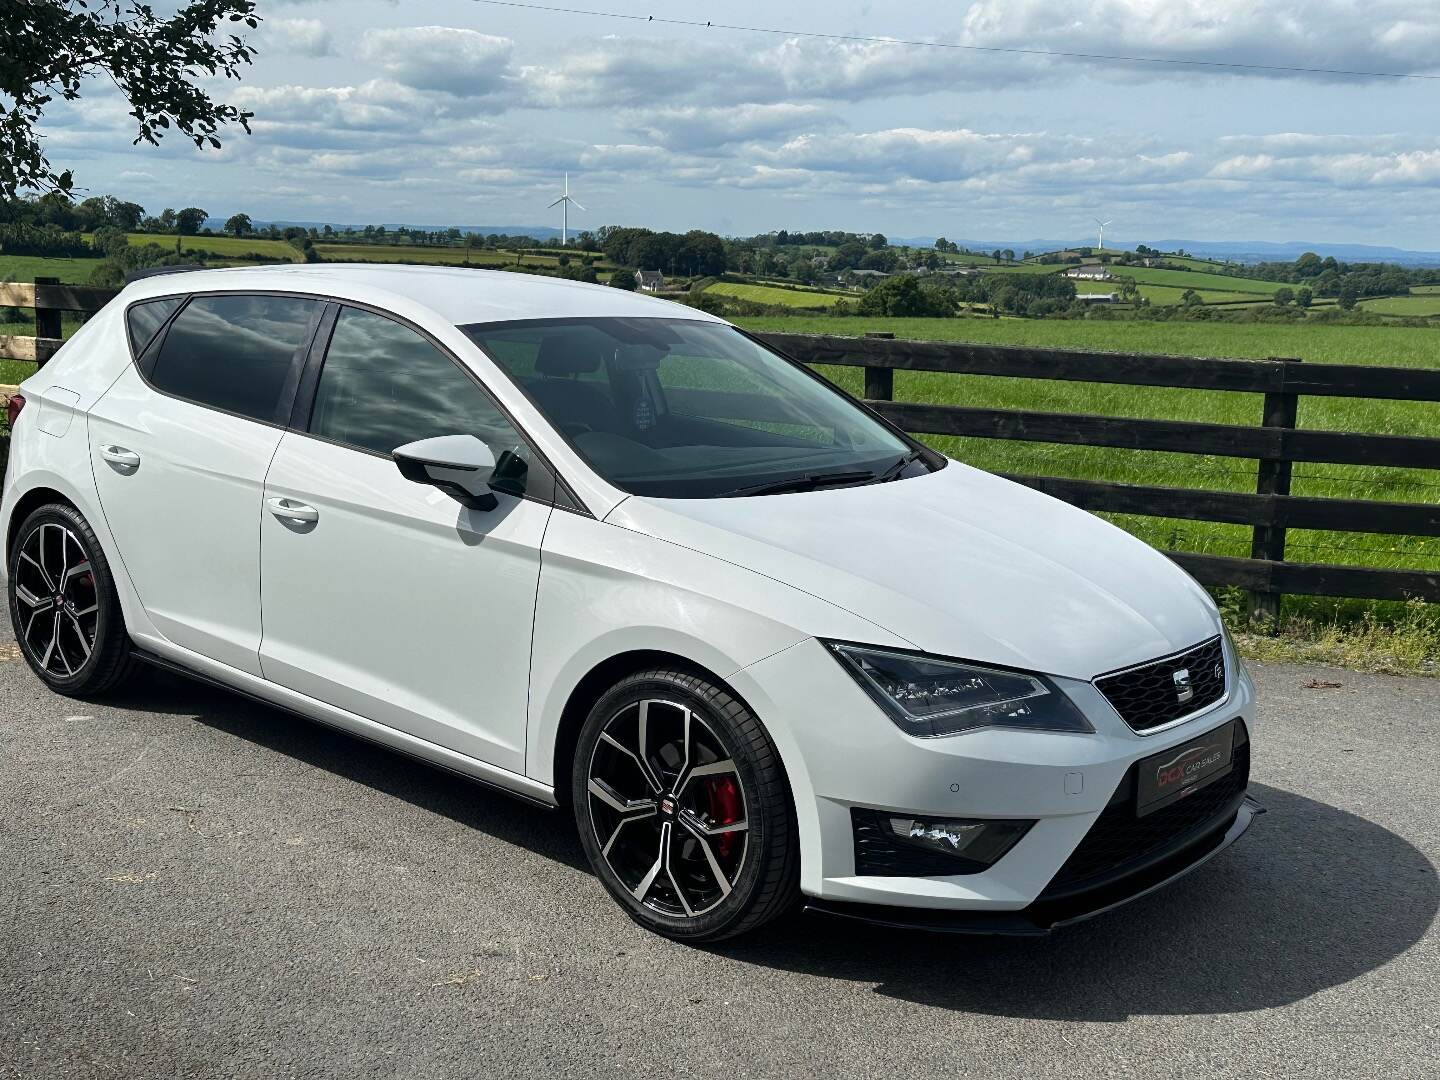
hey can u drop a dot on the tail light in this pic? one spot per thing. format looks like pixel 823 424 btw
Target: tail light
pixel 13 407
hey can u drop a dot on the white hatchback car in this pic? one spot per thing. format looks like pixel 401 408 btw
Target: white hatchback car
pixel 604 551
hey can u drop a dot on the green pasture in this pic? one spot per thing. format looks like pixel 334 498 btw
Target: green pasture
pixel 764 294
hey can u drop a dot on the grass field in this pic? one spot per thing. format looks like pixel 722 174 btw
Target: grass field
pixel 1339 344
pixel 29 267
pixel 279 250
pixel 763 294
pixel 1418 306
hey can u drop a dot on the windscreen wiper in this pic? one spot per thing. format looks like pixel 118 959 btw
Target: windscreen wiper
pixel 808 482
pixel 894 471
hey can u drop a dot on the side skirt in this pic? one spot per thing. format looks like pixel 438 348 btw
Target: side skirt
pixel 267 693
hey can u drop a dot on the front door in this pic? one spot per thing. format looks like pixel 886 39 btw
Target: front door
pixel 179 447
pixel 385 597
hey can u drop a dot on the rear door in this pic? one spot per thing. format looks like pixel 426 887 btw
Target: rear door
pixel 385 597
pixel 180 446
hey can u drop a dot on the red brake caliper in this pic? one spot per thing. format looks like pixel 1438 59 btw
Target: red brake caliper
pixel 724 798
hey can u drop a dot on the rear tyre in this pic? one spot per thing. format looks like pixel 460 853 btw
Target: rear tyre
pixel 63 604
pixel 684 808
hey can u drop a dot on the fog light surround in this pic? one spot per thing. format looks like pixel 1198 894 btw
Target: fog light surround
pixel 896 844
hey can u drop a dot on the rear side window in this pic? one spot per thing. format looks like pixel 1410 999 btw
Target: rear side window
pixel 383 385
pixel 235 353
pixel 142 320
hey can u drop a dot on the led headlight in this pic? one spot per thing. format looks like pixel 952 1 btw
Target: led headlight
pixel 926 696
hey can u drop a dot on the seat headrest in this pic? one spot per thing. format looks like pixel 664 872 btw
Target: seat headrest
pixel 567 354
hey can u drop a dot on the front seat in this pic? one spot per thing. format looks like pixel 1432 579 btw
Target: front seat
pixel 573 405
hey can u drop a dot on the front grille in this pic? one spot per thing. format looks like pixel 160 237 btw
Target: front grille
pixel 1148 697
pixel 1119 838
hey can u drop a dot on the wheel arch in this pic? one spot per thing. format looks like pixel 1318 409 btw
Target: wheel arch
pixel 600 678
pixel 588 691
pixel 27 504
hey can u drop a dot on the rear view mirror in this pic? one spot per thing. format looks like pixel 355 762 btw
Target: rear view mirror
pixel 459 465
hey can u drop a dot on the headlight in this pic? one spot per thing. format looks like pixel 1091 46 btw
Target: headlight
pixel 927 697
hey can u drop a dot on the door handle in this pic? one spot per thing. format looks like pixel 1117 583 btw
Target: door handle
pixel 118 455
pixel 290 510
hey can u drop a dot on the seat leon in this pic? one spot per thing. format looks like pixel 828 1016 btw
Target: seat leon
pixel 612 554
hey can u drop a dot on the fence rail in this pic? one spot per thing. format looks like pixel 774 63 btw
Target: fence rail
pixel 1275 443
pixel 50 299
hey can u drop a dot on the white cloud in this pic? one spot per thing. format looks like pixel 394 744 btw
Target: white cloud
pixel 692 127
pixel 1379 35
pixel 302 37
pixel 465 63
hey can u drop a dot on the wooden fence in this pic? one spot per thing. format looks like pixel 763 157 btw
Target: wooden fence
pixel 51 300
pixel 1275 442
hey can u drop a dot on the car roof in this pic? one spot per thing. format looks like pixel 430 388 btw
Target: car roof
pixel 457 294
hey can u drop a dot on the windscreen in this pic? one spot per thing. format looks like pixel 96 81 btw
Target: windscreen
pixel 678 408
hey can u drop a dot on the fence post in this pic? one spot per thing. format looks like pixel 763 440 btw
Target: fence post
pixel 879 382
pixel 1280 410
pixel 47 320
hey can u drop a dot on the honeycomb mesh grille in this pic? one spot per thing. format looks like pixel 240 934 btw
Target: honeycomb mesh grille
pixel 1147 697
pixel 1119 838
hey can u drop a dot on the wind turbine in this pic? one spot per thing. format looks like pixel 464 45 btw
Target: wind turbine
pixel 1102 225
pixel 564 201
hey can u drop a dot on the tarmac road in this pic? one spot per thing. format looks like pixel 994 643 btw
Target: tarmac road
pixel 193 885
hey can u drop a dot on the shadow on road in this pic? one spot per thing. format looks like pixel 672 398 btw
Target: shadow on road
pixel 386 771
pixel 1311 898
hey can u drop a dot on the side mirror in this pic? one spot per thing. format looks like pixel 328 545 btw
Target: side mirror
pixel 459 465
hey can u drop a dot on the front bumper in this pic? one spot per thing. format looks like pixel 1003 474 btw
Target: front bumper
pixel 841 752
pixel 1044 914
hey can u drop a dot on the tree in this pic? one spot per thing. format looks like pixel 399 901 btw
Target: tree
pixel 1284 297
pixel 996 256
pixel 1304 297
pixel 1190 299
pixel 51 47
pixel 189 220
pixel 623 279
pixel 1349 293
pixel 878 241
pixel 1009 255
pixel 238 225
pixel 903 295
pixel 109 240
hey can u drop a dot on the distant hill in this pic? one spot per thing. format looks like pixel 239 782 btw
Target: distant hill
pixel 1244 251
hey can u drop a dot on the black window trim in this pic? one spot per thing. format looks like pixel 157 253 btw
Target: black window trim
pixel 145 362
pixel 563 496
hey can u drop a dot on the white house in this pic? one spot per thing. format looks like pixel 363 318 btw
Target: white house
pixel 649 280
pixel 1089 272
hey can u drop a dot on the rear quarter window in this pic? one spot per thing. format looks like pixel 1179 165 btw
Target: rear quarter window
pixel 145 318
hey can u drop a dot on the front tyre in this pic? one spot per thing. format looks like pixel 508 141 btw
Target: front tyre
pixel 63 604
pixel 684 808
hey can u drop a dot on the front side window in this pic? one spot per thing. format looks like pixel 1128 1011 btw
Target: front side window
pixel 383 385
pixel 678 408
pixel 235 353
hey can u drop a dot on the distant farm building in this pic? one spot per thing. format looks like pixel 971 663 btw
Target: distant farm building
pixel 1089 272
pixel 1099 298
pixel 649 280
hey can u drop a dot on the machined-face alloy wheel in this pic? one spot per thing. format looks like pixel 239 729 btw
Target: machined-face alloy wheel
pixel 63 605
pixel 684 807
pixel 58 606
pixel 668 808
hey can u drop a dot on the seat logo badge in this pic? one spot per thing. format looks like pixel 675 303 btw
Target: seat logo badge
pixel 667 806
pixel 1184 689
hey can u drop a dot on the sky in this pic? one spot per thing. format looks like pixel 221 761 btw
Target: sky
pixel 461 112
